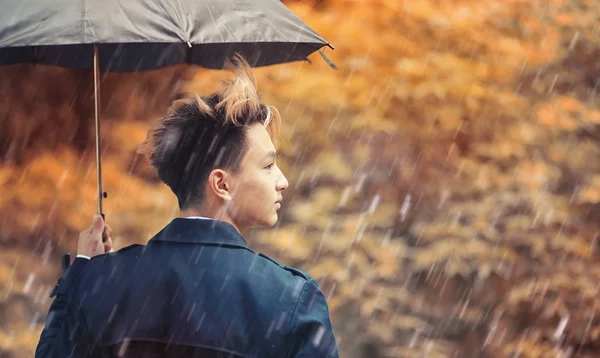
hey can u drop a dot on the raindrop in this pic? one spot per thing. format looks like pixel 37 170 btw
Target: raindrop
pixel 523 67
pixel 350 262
pixel 360 183
pixel 23 175
pixel 590 321
pixel 549 216
pixel 28 283
pixel 225 282
pixel 297 289
pixel 62 178
pixel 561 328
pixel 345 196
pixel 573 41
pixel 112 313
pixel 124 346
pixel 200 323
pixel 554 80
pixel 271 326
pixel 492 331
pixel 319 336
pixel 361 232
pixel 415 338
pixel 191 312
pixel 535 219
pixel 281 320
pixel 464 308
pixel 374 204
pixel 443 198
pixel 387 238
pixel 405 207
pixel 34 320
pixel 47 251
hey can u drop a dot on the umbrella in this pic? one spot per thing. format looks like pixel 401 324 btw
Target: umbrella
pixel 135 35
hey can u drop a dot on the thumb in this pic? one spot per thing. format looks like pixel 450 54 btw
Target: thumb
pixel 98 225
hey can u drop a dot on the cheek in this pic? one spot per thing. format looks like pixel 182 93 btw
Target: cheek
pixel 255 185
pixel 245 193
pixel 254 193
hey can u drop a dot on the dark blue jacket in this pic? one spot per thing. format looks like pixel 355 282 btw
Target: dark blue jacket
pixel 194 290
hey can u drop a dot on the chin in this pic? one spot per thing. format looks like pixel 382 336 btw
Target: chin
pixel 273 221
pixel 266 223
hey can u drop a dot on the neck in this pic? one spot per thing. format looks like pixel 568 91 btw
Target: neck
pixel 220 214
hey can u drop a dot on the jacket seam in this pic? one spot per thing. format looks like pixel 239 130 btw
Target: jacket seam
pixel 228 245
pixel 76 313
pixel 204 346
pixel 294 314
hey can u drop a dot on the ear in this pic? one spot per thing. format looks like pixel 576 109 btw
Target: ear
pixel 219 184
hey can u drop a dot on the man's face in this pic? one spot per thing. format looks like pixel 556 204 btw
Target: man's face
pixel 258 186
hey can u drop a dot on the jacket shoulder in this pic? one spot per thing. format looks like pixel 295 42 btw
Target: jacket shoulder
pixel 293 270
pixel 127 248
pixel 118 253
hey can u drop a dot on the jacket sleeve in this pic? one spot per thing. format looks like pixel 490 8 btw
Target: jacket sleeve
pixel 56 339
pixel 311 330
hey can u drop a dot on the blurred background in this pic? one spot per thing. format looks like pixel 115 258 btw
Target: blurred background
pixel 444 181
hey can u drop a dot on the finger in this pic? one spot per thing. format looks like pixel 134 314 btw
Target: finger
pixel 108 244
pixel 106 233
pixel 107 230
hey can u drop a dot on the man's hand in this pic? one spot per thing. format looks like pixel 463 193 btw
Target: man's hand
pixel 90 240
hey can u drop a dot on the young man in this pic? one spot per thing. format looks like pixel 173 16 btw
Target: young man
pixel 196 289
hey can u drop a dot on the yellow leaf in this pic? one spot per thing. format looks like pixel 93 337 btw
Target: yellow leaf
pixel 591 192
pixel 564 19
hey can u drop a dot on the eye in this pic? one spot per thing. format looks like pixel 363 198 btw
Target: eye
pixel 270 166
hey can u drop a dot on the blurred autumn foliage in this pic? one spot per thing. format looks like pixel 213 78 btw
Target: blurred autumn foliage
pixel 445 181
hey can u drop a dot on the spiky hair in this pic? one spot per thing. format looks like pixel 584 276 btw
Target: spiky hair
pixel 199 134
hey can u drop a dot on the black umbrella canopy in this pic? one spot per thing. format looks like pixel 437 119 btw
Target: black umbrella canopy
pixel 134 35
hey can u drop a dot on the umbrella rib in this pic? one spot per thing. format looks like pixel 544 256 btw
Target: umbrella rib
pixel 276 29
pixel 180 19
pixel 215 22
pixel 83 9
pixel 132 23
pixel 246 21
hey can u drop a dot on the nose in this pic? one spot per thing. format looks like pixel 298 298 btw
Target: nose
pixel 282 182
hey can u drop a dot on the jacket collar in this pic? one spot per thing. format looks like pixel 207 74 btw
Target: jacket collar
pixel 201 231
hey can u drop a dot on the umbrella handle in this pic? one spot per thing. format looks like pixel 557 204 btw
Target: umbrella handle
pixel 101 194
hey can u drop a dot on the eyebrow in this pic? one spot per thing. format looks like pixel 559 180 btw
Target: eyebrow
pixel 271 154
